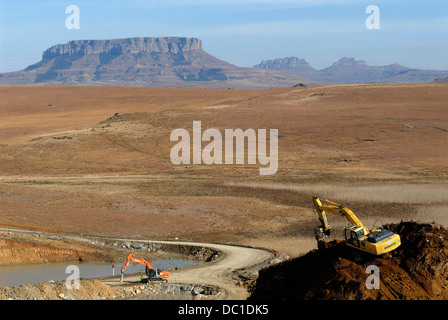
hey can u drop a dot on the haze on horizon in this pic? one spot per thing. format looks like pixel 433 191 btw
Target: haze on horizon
pixel 412 33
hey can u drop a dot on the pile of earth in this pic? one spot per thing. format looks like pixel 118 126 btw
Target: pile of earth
pixel 90 289
pixel 417 270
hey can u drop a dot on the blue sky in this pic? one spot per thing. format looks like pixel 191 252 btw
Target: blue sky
pixel 244 32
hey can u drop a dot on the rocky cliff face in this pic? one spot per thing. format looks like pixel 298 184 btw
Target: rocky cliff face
pixel 118 46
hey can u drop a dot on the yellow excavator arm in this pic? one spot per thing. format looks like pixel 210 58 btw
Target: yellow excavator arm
pixel 324 205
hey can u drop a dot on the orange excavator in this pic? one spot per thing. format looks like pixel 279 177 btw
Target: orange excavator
pixel 151 273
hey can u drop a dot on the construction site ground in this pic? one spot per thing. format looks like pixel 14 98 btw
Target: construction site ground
pixel 96 164
pixel 222 272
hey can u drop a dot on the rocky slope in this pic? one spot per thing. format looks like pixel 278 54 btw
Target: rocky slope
pixel 349 70
pixel 442 80
pixel 146 62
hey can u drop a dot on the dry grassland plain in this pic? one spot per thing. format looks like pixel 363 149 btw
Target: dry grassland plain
pixel 381 150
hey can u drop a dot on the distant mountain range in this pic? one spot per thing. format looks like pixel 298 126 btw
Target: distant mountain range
pixel 182 62
pixel 143 61
pixel 349 70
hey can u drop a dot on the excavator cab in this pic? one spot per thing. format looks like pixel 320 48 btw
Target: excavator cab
pixel 156 274
pixel 354 235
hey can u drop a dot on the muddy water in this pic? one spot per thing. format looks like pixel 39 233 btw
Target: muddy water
pixel 30 274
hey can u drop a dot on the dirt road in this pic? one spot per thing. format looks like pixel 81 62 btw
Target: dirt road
pixel 217 273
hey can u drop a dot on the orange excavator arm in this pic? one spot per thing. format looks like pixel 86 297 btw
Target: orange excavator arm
pixel 130 259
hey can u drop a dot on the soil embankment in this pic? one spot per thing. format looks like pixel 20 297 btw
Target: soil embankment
pixel 19 251
pixel 417 270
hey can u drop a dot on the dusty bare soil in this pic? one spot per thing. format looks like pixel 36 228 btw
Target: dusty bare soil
pixel 89 290
pixel 95 161
pixel 114 175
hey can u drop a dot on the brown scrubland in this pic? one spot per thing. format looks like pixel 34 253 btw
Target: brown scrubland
pixel 96 161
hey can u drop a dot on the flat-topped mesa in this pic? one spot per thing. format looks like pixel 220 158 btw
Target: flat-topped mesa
pixel 280 63
pixel 133 45
pixel 349 61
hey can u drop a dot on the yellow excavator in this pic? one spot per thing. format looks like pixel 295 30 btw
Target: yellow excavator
pixel 377 241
